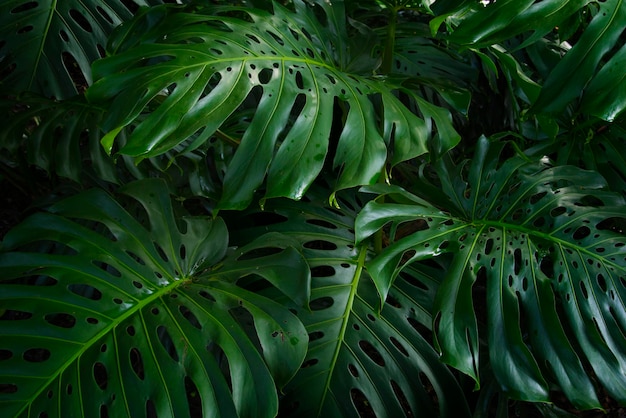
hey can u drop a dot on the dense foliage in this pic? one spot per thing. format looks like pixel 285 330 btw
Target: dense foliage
pixel 312 208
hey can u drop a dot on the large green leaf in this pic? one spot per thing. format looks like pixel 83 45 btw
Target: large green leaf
pixel 580 68
pixel 125 319
pixel 56 136
pixel 537 252
pixel 601 148
pixel 488 24
pixel 312 101
pixel 360 361
pixel 47 46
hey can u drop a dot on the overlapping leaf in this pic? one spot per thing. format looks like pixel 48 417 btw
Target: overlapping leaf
pixel 193 71
pixel 56 136
pixel 590 68
pixel 359 362
pixel 48 46
pixel 538 254
pixel 125 319
pixel 488 23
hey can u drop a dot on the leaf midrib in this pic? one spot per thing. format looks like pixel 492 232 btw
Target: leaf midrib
pixel 92 341
pixel 353 291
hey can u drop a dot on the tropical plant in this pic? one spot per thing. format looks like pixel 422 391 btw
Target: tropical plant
pixel 309 208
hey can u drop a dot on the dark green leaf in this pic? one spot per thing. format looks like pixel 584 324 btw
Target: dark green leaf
pixel 194 71
pixel 132 313
pixel 359 361
pixel 568 79
pixel 48 46
pixel 541 246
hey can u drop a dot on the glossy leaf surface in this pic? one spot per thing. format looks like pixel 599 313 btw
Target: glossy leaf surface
pixel 542 248
pixel 195 71
pixel 48 46
pixel 130 313
pixel 359 362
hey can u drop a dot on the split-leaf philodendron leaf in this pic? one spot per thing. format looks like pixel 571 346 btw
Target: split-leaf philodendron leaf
pixel 194 71
pixel 360 361
pixel 47 46
pixel 537 256
pixel 134 310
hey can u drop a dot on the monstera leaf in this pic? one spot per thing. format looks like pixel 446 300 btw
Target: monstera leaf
pixel 593 67
pixel 188 73
pixel 485 23
pixel 137 312
pixel 360 361
pixel 537 256
pixel 48 46
pixel 56 136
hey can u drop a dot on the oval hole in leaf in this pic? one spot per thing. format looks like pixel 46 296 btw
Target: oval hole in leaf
pixel 104 411
pixel 558 211
pixel 81 20
pixel 320 245
pixel 322 271
pixel 74 71
pixel 399 346
pixel 353 370
pixel 161 252
pixel 63 320
pixel 362 405
pixel 404 404
pixel 85 291
pixel 166 341
pixel 372 353
pixel 25 29
pixel 100 375
pixel 189 316
pixel 582 232
pixel 615 224
pixel 315 335
pixel 193 398
pixel 107 268
pixel 601 282
pixel 8 388
pixel 265 75
pixel 136 257
pixel 321 303
pixel 392 301
pixel 221 358
pixel 583 288
pixel 136 362
pixel 151 411
pixel 15 315
pixel 5 355
pixel 36 355
pixel 430 389
pixel 104 14
pixel 207 295
pixel 24 7
pixel 309 363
